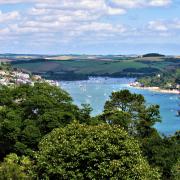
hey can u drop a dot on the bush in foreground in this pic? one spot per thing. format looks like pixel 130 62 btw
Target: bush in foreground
pixel 16 168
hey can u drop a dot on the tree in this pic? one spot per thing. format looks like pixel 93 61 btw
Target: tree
pixel 162 152
pixel 147 119
pixel 176 170
pixel 131 112
pixel 27 113
pixel 91 152
pixel 125 101
pixel 14 167
pixel 85 114
pixel 116 117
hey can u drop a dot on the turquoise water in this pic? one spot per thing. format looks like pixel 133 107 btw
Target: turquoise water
pixel 96 91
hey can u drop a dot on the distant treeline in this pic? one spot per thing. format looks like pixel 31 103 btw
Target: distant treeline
pixel 153 55
pixel 27 61
pixel 70 75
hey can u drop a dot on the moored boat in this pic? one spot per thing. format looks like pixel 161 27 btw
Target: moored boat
pixel 178 113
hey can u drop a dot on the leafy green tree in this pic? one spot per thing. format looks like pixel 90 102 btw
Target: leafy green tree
pixel 125 101
pixel 131 112
pixel 91 152
pixel 147 118
pixel 16 168
pixel 116 117
pixel 27 113
pixel 85 114
pixel 176 170
pixel 162 152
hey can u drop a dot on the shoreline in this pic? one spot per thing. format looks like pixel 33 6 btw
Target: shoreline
pixel 157 89
pixel 137 86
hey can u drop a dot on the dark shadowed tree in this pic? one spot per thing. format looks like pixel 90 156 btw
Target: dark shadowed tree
pixel 132 113
pixel 27 113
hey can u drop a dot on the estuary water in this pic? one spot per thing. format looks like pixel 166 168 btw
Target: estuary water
pixel 96 91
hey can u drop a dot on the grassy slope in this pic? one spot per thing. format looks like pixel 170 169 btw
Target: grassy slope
pixel 97 67
pixel 82 66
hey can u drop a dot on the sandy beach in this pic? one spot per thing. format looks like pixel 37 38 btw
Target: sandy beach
pixel 157 89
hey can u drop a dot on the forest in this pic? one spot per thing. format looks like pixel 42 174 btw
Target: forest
pixel 44 135
pixel 169 79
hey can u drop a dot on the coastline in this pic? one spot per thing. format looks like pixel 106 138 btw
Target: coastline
pixel 97 91
pixel 157 89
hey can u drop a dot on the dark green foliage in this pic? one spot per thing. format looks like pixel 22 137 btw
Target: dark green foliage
pixel 147 118
pixel 82 68
pixel 112 66
pixel 166 80
pixel 85 112
pixel 5 66
pixel 124 101
pixel 162 153
pixel 129 111
pixel 153 55
pixel 116 117
pixel 91 152
pixel 176 170
pixel 28 113
pixel 145 70
pixel 99 148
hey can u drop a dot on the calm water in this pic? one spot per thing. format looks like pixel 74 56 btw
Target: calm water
pixel 96 91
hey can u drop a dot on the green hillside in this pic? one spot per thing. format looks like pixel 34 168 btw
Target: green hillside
pixel 112 66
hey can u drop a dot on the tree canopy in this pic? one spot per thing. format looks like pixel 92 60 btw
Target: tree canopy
pixel 131 112
pixel 27 113
pixel 39 138
pixel 15 167
pixel 91 152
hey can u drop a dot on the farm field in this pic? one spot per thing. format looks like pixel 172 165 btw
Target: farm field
pixel 81 68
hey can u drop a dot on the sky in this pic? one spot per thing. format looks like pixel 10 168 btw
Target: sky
pixel 90 26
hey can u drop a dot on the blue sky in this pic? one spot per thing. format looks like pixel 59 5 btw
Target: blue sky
pixel 90 26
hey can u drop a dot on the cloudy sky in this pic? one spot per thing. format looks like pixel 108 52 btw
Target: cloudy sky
pixel 90 26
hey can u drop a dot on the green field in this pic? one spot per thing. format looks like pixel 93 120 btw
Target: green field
pixel 82 68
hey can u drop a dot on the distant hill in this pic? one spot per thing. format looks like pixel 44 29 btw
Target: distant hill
pixel 153 55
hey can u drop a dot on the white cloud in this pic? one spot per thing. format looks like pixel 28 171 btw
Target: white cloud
pixel 160 2
pixel 164 26
pixel 129 3
pixel 4 17
pixel 4 31
pixel 103 27
pixel 69 17
pixel 157 26
pixel 141 3
pixel 114 11
pixel 26 1
pixel 88 20
pixel 9 1
pixel 72 5
pixel 176 24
